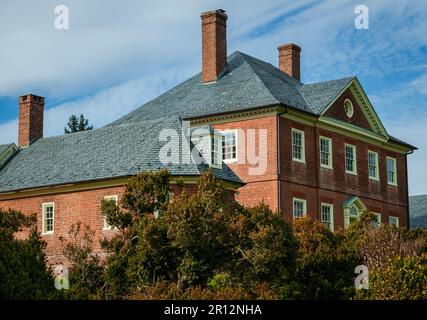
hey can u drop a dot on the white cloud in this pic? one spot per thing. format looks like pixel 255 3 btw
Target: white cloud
pixel 118 54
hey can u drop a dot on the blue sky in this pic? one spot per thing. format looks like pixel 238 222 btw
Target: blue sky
pixel 119 54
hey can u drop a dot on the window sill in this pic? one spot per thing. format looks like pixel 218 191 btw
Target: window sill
pixel 351 172
pixel 374 179
pixel 392 184
pixel 47 233
pixel 230 161
pixel 326 167
pixel 298 160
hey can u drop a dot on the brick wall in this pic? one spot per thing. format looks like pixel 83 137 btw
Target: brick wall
pixel 263 187
pixel 337 111
pixel 71 207
pixel 31 109
pixel 315 184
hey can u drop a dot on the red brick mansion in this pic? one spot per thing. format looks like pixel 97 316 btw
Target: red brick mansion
pixel 318 149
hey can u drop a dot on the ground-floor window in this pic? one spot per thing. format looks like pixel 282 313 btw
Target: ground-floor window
pixel 115 200
pixel 393 220
pixel 299 208
pixel 327 215
pixel 48 216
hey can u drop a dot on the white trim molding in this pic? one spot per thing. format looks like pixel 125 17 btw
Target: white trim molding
pixel 46 205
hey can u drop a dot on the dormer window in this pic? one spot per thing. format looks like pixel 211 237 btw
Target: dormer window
pixel 348 108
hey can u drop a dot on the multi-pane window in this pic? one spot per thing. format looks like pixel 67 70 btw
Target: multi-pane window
pixel 373 165
pixel 299 207
pixel 391 171
pixel 215 151
pixel 48 217
pixel 350 159
pixel 113 199
pixel 327 215
pixel 229 146
pixel 298 152
pixel 393 221
pixel 326 152
pixel 377 223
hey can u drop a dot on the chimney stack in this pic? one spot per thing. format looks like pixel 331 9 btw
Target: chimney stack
pixel 31 109
pixel 289 60
pixel 214 44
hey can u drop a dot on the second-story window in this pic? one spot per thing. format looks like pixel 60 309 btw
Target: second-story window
pixel 391 171
pixel 298 152
pixel 229 146
pixel 373 165
pixel 326 152
pixel 350 159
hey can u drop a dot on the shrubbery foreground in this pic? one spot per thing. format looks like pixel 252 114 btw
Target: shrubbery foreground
pixel 207 246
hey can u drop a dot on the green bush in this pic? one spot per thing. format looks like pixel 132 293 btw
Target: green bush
pixel 23 270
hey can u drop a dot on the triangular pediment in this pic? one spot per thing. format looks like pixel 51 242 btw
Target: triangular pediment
pixel 365 115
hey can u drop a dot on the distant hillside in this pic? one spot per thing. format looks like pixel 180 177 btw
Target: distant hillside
pixel 418 211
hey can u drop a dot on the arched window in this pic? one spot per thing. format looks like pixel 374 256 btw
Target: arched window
pixel 353 208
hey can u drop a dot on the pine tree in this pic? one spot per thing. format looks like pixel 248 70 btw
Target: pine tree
pixel 76 124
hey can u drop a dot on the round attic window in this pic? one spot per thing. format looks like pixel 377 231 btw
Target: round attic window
pixel 348 108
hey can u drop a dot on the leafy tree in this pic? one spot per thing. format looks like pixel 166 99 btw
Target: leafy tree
pixel 23 270
pixel 86 272
pixel 395 258
pixel 325 263
pixel 189 239
pixel 402 278
pixel 76 124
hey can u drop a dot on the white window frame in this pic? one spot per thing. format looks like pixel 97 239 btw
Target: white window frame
pixel 378 215
pixel 349 114
pixel 304 207
pixel 331 207
pixel 105 225
pixel 330 164
pixel 235 132
pixel 397 220
pixel 377 175
pixel 353 147
pixel 216 154
pixel 394 183
pixel 302 160
pixel 44 225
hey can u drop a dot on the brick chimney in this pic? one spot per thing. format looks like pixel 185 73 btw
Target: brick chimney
pixel 289 60
pixel 31 109
pixel 214 44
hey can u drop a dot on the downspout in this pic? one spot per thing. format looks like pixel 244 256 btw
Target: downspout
pixel 317 157
pixel 279 167
pixel 407 189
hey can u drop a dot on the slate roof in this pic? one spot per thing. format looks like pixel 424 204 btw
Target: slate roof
pixel 108 152
pixel 418 211
pixel 245 83
pixel 4 147
pixel 130 144
pixel 320 94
